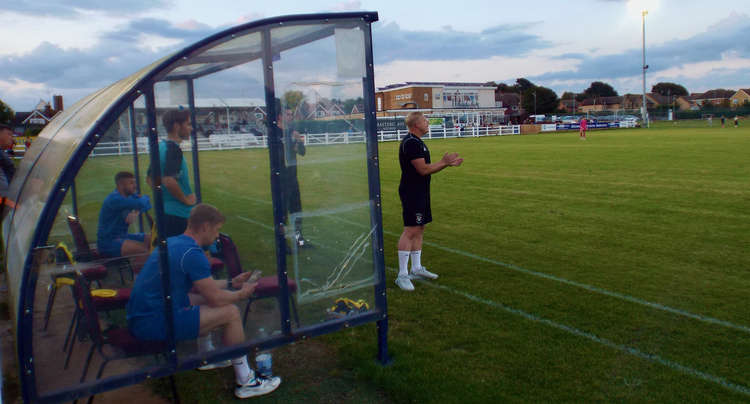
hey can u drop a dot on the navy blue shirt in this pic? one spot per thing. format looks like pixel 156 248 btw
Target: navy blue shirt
pixel 115 209
pixel 187 264
pixel 411 148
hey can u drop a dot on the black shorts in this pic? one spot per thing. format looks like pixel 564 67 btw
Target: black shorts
pixel 415 208
pixel 174 225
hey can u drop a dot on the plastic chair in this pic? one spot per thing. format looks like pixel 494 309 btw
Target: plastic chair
pixel 124 344
pixel 94 273
pixel 268 286
pixel 85 253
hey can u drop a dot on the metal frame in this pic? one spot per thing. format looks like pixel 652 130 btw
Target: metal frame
pixel 145 87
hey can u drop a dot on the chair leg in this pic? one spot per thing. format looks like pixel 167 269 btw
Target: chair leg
pixel 101 369
pixel 294 310
pixel 73 322
pixel 88 362
pixel 50 302
pixel 247 310
pixel 175 393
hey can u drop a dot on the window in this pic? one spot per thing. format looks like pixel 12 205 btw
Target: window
pixel 426 97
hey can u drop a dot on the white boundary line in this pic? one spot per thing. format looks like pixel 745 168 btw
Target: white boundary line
pixel 632 299
pixel 603 341
pixel 658 306
pixel 575 331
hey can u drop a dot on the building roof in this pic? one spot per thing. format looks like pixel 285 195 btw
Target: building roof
pixel 602 101
pixel 432 84
pixel 713 94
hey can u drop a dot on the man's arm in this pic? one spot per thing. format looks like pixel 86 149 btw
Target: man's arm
pixel 448 160
pixel 170 183
pixel 216 296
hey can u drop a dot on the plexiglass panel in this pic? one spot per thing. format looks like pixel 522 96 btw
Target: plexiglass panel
pixel 100 232
pixel 325 186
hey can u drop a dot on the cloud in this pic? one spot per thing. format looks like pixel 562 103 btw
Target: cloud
pixel 352 5
pixel 393 43
pixel 73 8
pixel 717 46
pixel 117 54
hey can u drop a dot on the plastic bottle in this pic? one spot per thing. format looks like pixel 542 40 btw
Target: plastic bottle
pixel 264 359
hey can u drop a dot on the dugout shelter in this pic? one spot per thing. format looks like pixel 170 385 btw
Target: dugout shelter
pixel 69 339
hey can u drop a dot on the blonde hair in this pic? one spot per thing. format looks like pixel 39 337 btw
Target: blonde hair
pixel 412 118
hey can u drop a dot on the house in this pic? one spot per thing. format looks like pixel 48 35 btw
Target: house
pixel 612 103
pixel 716 97
pixel 511 102
pixel 739 98
pixel 570 105
pixel 32 122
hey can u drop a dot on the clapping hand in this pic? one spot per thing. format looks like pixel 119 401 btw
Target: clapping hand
pixel 452 159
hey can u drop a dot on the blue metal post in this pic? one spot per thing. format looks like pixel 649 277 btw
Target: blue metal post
pixel 136 168
pixel 194 140
pixel 376 216
pixel 276 157
pixel 153 143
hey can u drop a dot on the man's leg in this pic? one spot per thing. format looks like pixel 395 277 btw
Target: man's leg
pixel 136 250
pixel 406 244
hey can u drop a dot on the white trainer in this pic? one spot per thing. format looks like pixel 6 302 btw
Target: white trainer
pixel 404 283
pixel 257 386
pixel 422 272
pixel 217 365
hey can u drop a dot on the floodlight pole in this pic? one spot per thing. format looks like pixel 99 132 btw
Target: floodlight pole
pixel 644 110
pixel 534 103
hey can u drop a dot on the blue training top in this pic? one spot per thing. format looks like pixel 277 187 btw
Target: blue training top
pixel 173 165
pixel 115 209
pixel 187 264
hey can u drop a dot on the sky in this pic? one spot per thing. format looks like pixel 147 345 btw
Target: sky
pixel 75 47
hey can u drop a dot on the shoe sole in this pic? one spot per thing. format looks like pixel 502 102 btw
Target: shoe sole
pixel 405 289
pixel 212 366
pixel 272 387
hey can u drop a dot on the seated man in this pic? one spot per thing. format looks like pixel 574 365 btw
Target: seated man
pixel 196 314
pixel 119 210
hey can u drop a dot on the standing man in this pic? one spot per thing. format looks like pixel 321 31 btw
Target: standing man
pixel 200 303
pixel 7 168
pixel 736 121
pixel 179 197
pixel 414 191
pixel 119 209
pixel 294 145
pixel 583 126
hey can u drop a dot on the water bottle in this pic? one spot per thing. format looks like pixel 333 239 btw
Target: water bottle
pixel 263 360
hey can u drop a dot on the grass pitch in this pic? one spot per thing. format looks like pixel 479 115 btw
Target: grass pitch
pixel 611 269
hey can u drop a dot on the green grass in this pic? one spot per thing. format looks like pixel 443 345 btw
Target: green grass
pixel 549 251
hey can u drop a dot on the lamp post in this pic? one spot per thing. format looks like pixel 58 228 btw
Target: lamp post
pixel 644 110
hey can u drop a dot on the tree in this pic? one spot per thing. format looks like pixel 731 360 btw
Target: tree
pixel 546 100
pixel 522 85
pixel 504 88
pixel 599 89
pixel 669 89
pixel 568 95
pixel 6 113
pixel 292 99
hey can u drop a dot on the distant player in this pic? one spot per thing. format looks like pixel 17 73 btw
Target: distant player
pixel 736 121
pixel 583 127
pixel 414 191
pixel 722 121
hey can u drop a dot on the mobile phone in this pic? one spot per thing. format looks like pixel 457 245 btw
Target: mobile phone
pixel 255 276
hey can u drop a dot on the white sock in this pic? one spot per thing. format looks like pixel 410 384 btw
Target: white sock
pixel 205 343
pixel 416 259
pixel 403 261
pixel 242 372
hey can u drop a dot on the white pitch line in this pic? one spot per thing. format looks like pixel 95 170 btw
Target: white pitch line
pixel 603 341
pixel 658 306
pixel 255 222
pixel 632 299
pixel 572 330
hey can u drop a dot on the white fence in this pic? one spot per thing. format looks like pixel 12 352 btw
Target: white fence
pixel 230 141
